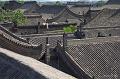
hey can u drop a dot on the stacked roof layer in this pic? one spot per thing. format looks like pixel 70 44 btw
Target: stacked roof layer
pixel 99 58
pixel 105 18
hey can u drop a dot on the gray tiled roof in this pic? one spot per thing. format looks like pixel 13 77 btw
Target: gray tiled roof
pixel 14 38
pixel 108 6
pixel 97 57
pixel 64 15
pixel 11 5
pixel 14 43
pixel 28 4
pixel 91 33
pixel 105 18
pixel 49 11
pixel 113 2
pixel 93 40
pixel 52 40
pixel 11 36
pixel 79 9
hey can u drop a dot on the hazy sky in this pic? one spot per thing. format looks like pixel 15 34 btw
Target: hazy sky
pixel 57 0
pixel 68 0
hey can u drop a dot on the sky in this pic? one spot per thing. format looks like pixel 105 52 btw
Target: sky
pixel 68 0
pixel 56 0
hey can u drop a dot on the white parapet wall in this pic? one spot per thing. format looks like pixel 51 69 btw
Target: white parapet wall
pixel 29 66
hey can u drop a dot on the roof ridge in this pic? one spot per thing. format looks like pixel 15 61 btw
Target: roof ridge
pixel 67 8
pixel 23 43
pixel 100 12
pixel 67 57
pixel 11 34
pixel 19 44
pixel 95 40
pixel 95 16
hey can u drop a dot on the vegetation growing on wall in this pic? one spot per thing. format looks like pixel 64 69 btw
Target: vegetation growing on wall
pixel 20 1
pixel 69 29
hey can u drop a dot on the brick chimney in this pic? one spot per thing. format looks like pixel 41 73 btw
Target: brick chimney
pixel 64 41
pixel 47 51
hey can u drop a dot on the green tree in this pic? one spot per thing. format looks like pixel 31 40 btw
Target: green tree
pixel 1 15
pixel 17 17
pixel 73 29
pixel 58 3
pixel 20 1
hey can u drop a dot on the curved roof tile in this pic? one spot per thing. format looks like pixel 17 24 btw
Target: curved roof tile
pixel 99 58
pixel 113 2
pixel 105 18
pixel 67 14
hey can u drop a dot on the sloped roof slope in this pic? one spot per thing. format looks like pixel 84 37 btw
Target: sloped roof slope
pixel 113 2
pixel 28 4
pixel 64 15
pixel 79 9
pixel 52 40
pixel 17 44
pixel 49 11
pixel 105 18
pixel 11 5
pixel 99 59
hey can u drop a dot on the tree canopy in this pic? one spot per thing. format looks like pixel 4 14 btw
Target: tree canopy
pixel 58 3
pixel 16 16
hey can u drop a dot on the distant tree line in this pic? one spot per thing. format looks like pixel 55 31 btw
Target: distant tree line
pixel 17 16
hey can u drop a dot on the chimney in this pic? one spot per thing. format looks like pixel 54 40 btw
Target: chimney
pixel 64 41
pixel 38 28
pixel 47 25
pixel 47 52
pixel 90 11
pixel 84 18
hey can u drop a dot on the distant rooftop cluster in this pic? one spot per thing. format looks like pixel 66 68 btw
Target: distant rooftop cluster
pixel 75 40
